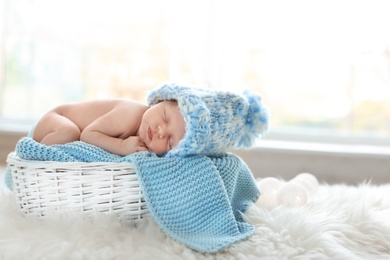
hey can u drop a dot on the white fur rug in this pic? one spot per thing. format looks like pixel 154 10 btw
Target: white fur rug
pixel 340 222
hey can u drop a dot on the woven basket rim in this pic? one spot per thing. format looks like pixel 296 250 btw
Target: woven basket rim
pixel 13 157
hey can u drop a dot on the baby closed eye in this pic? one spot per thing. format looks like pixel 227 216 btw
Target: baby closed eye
pixel 165 116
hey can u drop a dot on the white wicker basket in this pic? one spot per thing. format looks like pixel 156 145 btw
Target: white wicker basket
pixel 44 187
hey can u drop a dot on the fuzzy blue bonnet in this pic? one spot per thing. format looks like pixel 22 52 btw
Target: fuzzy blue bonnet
pixel 215 120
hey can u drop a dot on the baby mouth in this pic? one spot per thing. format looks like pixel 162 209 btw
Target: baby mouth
pixel 150 133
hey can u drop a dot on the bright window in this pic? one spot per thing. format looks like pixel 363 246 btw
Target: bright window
pixel 323 67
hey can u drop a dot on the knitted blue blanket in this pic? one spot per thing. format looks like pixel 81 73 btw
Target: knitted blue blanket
pixel 196 200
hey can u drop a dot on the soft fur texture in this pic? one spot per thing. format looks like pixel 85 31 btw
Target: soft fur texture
pixel 340 222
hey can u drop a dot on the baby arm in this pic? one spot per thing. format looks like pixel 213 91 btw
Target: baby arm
pixel 114 145
pixel 116 131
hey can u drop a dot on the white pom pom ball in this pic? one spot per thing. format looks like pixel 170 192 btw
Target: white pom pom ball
pixel 292 194
pixel 269 188
pixel 308 181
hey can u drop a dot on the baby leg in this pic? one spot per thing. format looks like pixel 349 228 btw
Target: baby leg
pixel 54 128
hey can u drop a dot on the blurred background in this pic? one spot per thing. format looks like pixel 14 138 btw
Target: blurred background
pixel 322 67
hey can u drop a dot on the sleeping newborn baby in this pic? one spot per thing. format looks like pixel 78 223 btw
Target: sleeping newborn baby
pixel 177 121
pixel 120 126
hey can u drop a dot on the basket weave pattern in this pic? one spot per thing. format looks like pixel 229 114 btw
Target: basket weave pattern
pixel 42 187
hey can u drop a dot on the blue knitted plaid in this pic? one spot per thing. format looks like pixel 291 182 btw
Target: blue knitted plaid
pixel 196 200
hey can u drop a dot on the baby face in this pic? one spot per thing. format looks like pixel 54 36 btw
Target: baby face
pixel 162 127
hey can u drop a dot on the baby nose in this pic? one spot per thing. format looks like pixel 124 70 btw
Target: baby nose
pixel 161 131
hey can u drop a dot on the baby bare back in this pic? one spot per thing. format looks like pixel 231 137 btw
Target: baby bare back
pixel 104 123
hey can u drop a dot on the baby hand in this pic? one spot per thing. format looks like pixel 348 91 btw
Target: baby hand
pixel 141 145
pixel 134 144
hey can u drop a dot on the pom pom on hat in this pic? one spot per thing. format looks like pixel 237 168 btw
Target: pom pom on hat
pixel 215 120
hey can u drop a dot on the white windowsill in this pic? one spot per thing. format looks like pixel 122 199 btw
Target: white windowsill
pixel 271 142
pixel 15 128
pixel 321 147
pixel 329 162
